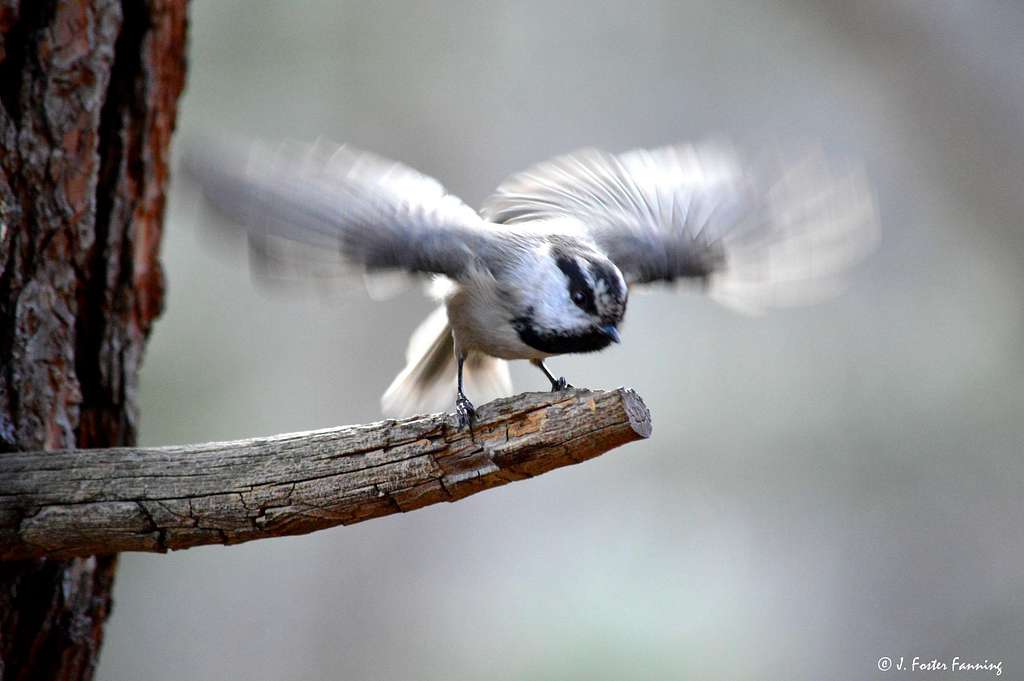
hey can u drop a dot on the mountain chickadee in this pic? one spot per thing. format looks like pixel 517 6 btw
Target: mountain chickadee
pixel 545 268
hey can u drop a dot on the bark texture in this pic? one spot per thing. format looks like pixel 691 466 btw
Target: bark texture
pixel 88 93
pixel 78 503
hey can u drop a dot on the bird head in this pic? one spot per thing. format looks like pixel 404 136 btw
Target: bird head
pixel 579 300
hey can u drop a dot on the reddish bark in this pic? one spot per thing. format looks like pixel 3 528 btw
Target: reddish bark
pixel 88 96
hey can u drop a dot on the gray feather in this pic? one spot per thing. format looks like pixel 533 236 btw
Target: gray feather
pixel 375 213
pixel 758 235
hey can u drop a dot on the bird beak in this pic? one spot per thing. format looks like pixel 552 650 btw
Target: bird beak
pixel 610 331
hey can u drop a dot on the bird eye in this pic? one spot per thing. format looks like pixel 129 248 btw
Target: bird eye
pixel 578 296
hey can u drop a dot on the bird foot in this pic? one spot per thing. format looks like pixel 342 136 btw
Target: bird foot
pixel 560 385
pixel 465 412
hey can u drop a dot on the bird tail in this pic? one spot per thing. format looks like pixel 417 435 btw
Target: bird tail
pixel 428 381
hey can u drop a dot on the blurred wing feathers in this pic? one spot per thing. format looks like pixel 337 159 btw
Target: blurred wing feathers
pixel 350 206
pixel 774 234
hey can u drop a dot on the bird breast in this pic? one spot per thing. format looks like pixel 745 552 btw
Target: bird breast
pixel 481 322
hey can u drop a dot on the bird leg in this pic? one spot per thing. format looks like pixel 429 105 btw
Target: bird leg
pixel 557 384
pixel 464 409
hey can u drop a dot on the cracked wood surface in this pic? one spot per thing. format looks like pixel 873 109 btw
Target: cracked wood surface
pixel 99 501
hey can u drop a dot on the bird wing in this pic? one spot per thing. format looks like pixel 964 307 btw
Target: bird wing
pixel 757 235
pixel 334 204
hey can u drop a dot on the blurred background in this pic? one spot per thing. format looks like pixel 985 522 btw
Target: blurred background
pixel 825 486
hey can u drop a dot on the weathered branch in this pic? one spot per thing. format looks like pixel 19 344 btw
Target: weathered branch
pixel 97 501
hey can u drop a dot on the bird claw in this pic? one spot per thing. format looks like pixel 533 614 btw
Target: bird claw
pixel 560 385
pixel 465 412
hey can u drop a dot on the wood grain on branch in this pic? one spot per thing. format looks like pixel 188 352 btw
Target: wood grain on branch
pixel 98 501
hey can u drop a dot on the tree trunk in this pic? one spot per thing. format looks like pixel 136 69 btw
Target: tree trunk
pixel 88 95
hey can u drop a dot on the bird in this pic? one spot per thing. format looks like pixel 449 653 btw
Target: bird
pixel 547 265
